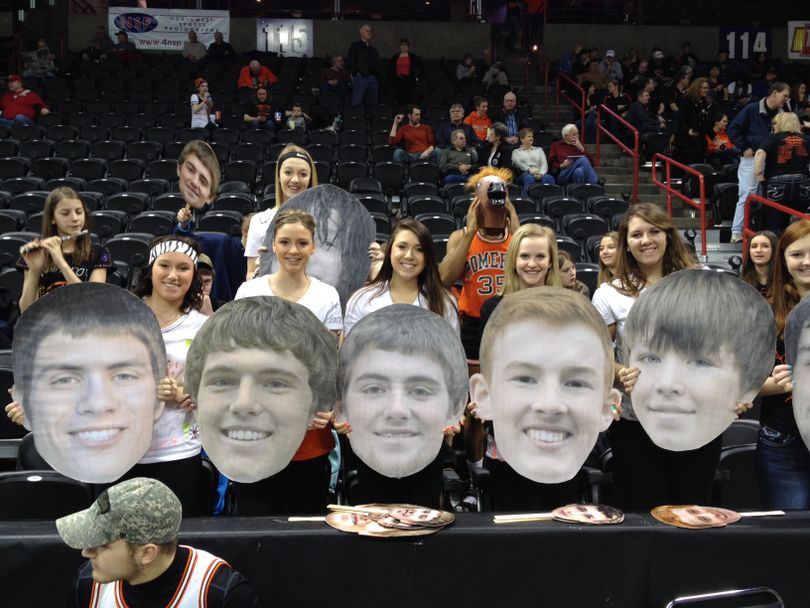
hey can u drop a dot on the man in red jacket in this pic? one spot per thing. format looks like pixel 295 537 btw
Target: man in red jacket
pixel 19 106
pixel 254 75
pixel 416 138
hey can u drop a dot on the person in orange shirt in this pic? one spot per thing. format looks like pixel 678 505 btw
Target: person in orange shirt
pixel 478 119
pixel 254 75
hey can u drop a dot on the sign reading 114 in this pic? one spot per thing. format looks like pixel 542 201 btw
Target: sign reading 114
pixel 289 37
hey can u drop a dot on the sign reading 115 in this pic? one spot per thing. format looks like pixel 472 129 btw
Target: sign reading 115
pixel 742 43
pixel 287 38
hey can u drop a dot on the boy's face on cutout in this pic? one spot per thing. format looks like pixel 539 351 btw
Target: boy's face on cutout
pixel 92 404
pixel 801 385
pixel 684 401
pixel 398 406
pixel 253 406
pixel 546 397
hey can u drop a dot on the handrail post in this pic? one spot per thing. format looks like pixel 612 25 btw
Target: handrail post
pixel 636 163
pixel 545 80
pixel 598 131
pixel 702 181
pixel 668 172
pixel 582 114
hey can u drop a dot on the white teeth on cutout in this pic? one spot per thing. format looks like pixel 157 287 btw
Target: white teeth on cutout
pixel 100 435
pixel 544 436
pixel 245 435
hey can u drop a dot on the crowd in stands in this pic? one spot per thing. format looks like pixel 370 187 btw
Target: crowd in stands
pixel 180 169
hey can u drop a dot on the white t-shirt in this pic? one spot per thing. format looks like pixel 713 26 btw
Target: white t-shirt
pixel 364 301
pixel 322 299
pixel 200 118
pixel 176 434
pixel 259 224
pixel 614 307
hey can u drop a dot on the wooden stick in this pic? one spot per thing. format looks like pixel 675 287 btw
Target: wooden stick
pixel 358 510
pixel 761 513
pixel 521 517
pixel 313 518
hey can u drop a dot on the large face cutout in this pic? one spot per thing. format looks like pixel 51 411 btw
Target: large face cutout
pixel 696 362
pixel 543 386
pixel 344 229
pixel 403 381
pixel 258 370
pixel 88 381
pixel 797 342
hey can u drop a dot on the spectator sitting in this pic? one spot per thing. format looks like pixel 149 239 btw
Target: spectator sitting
pixel 415 137
pixel 40 61
pixel 568 274
pixel 124 50
pixel 510 116
pixel 492 72
pixel 456 162
pixel 610 68
pixel 201 104
pixel 687 56
pixel 335 79
pixel 255 75
pixel 798 99
pixel 569 58
pixel 738 93
pixel 297 118
pixel 259 112
pixel 641 76
pixel 194 50
pixel 660 66
pixel 495 152
pixel 760 87
pixel 404 71
pixel 100 46
pixel 642 117
pixel 581 64
pixel 572 159
pixel 444 133
pixel 219 50
pixel 205 267
pixel 593 75
pixel 717 86
pixel 719 147
pixel 19 106
pixel 531 161
pixel 478 119
pixel 466 70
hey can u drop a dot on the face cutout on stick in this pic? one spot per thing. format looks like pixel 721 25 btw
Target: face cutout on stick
pixel 696 360
pixel 344 229
pixel 402 380
pixel 258 370
pixel 545 381
pixel 797 345
pixel 87 360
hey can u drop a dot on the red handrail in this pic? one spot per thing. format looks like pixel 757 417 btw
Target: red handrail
pixel 634 152
pixel 768 203
pixel 579 106
pixel 701 206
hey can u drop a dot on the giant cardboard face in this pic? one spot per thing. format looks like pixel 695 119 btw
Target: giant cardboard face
pixel 258 370
pixel 797 345
pixel 87 359
pixel 344 229
pixel 545 381
pixel 697 359
pixel 402 380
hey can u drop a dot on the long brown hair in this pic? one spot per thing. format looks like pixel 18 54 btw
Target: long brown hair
pixel 606 274
pixel 676 256
pixel 83 247
pixel 783 294
pixel 749 271
pixel 430 284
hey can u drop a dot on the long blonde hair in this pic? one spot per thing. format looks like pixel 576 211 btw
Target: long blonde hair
pixel 511 282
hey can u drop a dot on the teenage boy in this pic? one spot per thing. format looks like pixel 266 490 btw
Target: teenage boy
pixel 87 361
pixel 402 380
pixel 696 359
pixel 545 382
pixel 258 371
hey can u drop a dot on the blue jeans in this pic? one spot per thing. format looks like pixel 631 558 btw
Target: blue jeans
pixel 364 87
pixel 455 178
pixel 581 172
pixel 747 184
pixel 783 469
pixel 528 180
pixel 401 156
pixel 17 120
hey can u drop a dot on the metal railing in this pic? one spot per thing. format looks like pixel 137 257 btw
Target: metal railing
pixel 747 232
pixel 634 152
pixel 700 205
pixel 577 105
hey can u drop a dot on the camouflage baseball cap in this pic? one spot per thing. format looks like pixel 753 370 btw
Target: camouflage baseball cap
pixel 139 510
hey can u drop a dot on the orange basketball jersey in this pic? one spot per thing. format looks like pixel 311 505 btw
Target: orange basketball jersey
pixel 483 273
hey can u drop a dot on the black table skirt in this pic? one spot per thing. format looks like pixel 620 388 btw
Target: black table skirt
pixel 640 563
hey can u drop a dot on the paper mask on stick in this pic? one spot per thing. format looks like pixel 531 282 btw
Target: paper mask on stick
pixel 402 380
pixel 87 360
pixel 258 370
pixel 703 342
pixel 797 346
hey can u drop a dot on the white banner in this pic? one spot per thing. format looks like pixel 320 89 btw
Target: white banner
pixel 287 37
pixel 798 39
pixel 165 29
